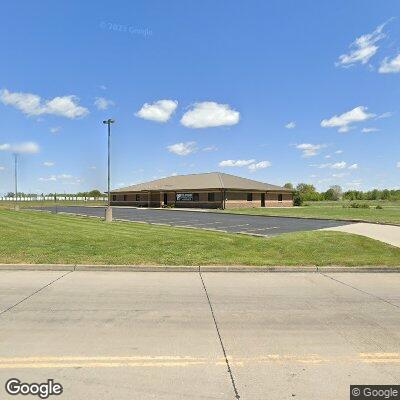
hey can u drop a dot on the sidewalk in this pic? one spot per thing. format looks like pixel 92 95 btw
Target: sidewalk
pixel 384 233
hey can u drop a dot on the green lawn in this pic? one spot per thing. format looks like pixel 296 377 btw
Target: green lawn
pixel 35 237
pixel 332 210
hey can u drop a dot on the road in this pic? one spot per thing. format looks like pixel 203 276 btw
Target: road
pixel 138 335
pixel 265 226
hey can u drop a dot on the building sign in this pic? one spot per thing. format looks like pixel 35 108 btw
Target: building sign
pixel 184 197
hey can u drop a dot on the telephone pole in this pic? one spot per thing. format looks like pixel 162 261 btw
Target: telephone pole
pixel 108 122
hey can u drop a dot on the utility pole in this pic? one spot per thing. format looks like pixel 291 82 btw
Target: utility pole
pixel 16 206
pixel 108 215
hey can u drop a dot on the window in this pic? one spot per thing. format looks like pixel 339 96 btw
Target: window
pixel 114 197
pixel 138 197
pixel 195 197
pixel 211 196
pixel 249 196
pixel 125 197
pixel 280 197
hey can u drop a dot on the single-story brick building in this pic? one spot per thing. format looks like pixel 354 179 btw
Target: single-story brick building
pixel 210 190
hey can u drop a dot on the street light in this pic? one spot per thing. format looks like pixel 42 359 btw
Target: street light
pixel 16 206
pixel 108 122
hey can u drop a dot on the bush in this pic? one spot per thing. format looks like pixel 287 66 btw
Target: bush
pixel 297 199
pixel 379 207
pixel 356 205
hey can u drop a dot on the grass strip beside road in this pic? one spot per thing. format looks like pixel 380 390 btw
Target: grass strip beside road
pixel 37 237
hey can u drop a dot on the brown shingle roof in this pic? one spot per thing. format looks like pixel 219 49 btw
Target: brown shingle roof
pixel 211 180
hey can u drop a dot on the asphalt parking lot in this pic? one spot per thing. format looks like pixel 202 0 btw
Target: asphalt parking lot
pixel 143 335
pixel 258 225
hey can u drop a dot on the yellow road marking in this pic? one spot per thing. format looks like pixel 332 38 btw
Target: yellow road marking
pixel 186 361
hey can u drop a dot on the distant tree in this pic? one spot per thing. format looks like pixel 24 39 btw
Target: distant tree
pixel 305 188
pixel 10 194
pixel 94 193
pixel 288 185
pixel 334 193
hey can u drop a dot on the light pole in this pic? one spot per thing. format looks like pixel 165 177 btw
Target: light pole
pixel 16 206
pixel 108 122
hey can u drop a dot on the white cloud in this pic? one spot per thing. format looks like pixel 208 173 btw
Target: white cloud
pixel 338 151
pixel 340 175
pixel 363 48
pixel 385 115
pixel 55 129
pixel 310 150
pixel 48 164
pixel 21 148
pixel 390 66
pixel 291 125
pixel 102 103
pixel 339 165
pixel 63 178
pixel 103 87
pixel 343 121
pixel 236 163
pixel 398 164
pixel 32 104
pixel 251 164
pixel 210 148
pixel 159 111
pixel 92 167
pixel 259 165
pixel 2 168
pixel 328 156
pixel 210 114
pixel 367 130
pixel 51 178
pixel 182 149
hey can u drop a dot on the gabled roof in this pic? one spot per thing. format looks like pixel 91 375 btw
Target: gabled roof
pixel 211 180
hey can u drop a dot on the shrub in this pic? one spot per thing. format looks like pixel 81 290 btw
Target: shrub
pixel 356 205
pixel 297 199
pixel 379 207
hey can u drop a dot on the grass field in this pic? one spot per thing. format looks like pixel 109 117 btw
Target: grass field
pixel 35 237
pixel 333 210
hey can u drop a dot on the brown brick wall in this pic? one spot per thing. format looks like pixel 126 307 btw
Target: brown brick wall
pixel 234 199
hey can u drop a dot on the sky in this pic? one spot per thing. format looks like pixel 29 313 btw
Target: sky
pixel 276 91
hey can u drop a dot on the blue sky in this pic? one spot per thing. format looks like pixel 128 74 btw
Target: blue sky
pixel 277 91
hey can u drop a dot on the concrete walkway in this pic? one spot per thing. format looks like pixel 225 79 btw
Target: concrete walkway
pixel 384 233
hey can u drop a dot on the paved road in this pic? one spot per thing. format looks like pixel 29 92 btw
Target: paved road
pixel 138 335
pixel 266 226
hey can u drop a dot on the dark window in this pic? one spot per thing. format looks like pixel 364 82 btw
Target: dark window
pixel 211 196
pixel 249 196
pixel 138 197
pixel 114 197
pixel 195 197
pixel 279 197
pixel 125 197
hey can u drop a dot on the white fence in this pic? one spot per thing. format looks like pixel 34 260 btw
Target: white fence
pixel 51 198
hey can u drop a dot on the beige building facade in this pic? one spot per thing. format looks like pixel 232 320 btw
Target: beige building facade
pixel 209 190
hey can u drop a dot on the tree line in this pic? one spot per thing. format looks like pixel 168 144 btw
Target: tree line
pixel 307 192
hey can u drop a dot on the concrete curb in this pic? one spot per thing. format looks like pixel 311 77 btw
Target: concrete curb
pixel 206 268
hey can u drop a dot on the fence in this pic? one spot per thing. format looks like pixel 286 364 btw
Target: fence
pixel 52 198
